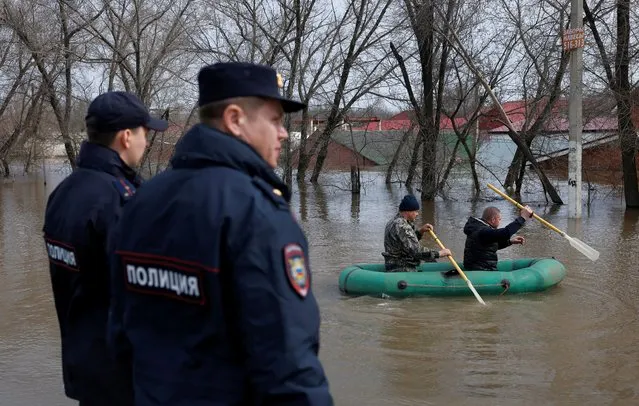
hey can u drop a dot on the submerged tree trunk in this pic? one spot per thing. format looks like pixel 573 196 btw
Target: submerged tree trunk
pixel 628 144
pixel 449 167
pixel 5 165
pixel 627 133
pixel 513 169
pixel 619 83
pixel 397 154
pixel 413 160
pixel 473 167
pixel 29 125
pixel 428 132
pixel 356 184
pixel 303 157
pixel 323 141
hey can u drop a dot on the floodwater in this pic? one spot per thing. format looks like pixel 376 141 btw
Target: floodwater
pixel 574 344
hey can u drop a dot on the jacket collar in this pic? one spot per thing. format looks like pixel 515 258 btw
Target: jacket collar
pixel 206 146
pixel 98 157
pixel 399 215
pixel 482 221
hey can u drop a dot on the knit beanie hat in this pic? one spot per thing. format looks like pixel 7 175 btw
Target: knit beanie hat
pixel 409 203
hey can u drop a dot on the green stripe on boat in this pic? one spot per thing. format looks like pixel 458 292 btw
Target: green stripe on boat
pixel 512 276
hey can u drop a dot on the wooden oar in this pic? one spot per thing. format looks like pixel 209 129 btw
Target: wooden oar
pixel 581 246
pixel 463 275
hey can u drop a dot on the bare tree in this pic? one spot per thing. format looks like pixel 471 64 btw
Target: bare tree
pixel 544 65
pixel 26 121
pixel 318 59
pixel 35 23
pixel 366 17
pixel 439 85
pixel 256 31
pixel 146 43
pixel 296 37
pixel 259 28
pixel 15 65
pixel 422 14
pixel 303 12
pixel 619 82
pixel 467 102
pixel 459 47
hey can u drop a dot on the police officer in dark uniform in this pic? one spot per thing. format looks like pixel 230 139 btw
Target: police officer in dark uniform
pixel 213 270
pixel 80 214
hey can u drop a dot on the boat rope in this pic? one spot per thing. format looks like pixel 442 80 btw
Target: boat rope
pixel 418 285
pixel 504 284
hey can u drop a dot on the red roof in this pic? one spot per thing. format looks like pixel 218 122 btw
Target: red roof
pixel 445 123
pixel 596 109
pixel 561 125
pixel 598 116
pixel 404 120
pixel 404 115
pixel 491 117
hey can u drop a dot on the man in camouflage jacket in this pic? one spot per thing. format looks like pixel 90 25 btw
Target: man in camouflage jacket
pixel 403 253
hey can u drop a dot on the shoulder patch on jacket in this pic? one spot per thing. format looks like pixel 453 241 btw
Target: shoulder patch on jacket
pixel 124 187
pixel 296 270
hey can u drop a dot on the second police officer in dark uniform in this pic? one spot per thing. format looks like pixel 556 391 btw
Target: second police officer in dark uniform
pixel 80 214
pixel 213 273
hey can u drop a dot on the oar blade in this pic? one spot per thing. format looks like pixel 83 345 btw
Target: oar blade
pixel 584 248
pixel 472 288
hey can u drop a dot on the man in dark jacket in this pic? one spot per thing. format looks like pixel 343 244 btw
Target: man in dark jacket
pixel 80 214
pixel 402 250
pixel 211 270
pixel 484 238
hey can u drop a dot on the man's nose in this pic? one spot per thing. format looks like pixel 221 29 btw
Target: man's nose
pixel 283 134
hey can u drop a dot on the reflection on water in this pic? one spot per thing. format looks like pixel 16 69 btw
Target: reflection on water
pixel 630 225
pixel 355 200
pixel 29 340
pixel 575 344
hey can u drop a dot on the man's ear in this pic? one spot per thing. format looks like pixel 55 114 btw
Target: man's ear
pixel 122 140
pixel 233 119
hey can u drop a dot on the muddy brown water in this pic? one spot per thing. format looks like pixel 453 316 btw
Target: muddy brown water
pixel 574 344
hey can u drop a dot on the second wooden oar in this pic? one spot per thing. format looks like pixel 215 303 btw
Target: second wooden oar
pixel 579 245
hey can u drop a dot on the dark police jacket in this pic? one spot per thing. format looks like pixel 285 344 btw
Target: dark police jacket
pixel 80 214
pixel 483 241
pixel 215 299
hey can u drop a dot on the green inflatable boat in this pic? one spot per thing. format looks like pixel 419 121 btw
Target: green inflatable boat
pixel 441 279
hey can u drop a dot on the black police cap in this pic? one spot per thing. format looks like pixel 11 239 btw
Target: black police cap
pixel 226 80
pixel 115 111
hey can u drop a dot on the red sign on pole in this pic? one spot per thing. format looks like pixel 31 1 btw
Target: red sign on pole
pixel 573 39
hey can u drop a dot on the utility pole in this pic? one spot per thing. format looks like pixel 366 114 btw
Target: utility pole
pixel 573 42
